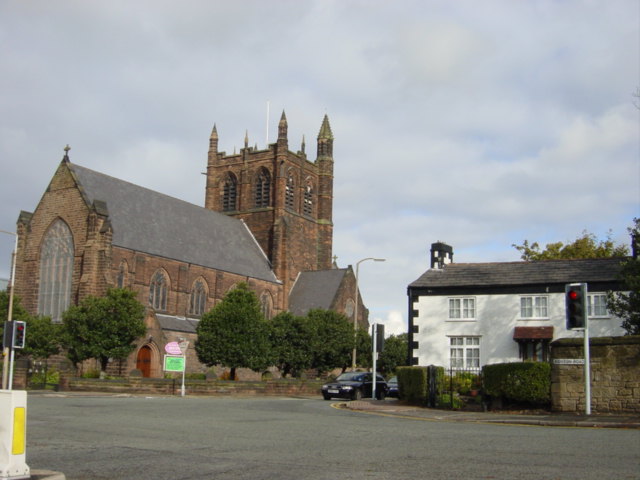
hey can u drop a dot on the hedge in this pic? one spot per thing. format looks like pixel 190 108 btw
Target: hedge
pixel 518 382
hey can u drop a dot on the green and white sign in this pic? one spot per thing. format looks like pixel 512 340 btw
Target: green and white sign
pixel 174 363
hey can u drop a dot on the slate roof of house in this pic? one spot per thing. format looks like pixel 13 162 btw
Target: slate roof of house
pixel 147 221
pixel 509 274
pixel 315 290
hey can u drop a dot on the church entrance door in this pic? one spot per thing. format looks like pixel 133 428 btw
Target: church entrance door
pixel 144 361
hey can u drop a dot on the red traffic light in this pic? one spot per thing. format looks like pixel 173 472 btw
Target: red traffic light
pixel 573 295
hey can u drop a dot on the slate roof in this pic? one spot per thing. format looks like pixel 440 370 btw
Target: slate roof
pixel 176 324
pixel 147 221
pixel 315 290
pixel 509 274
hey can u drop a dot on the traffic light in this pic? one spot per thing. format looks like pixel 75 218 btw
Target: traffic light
pixel 576 305
pixel 19 329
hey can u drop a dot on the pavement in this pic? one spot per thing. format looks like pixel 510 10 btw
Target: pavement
pixel 544 419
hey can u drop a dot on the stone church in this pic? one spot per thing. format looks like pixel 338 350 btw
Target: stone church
pixel 267 221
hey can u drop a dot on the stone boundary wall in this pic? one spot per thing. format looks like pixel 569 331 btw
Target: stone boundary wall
pixel 192 387
pixel 615 375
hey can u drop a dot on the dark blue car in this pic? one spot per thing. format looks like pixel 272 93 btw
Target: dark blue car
pixel 354 386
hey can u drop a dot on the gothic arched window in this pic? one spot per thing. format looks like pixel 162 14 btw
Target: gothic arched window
pixel 266 305
pixel 307 208
pixel 289 193
pixel 56 271
pixel 122 275
pixel 263 188
pixel 230 193
pixel 158 291
pixel 198 300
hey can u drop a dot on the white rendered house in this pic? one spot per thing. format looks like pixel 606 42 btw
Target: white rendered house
pixel 466 315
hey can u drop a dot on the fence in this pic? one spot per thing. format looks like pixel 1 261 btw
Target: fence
pixel 459 387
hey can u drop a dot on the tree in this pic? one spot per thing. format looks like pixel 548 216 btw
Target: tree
pixel 43 337
pixel 394 354
pixel 364 348
pixel 234 333
pixel 626 305
pixel 332 340
pixel 103 327
pixel 290 337
pixel 585 246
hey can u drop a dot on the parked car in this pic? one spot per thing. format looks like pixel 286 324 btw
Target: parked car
pixel 392 384
pixel 354 386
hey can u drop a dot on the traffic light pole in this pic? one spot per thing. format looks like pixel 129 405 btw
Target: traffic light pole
pixel 587 363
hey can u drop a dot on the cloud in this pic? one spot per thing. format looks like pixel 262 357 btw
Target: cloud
pixel 480 126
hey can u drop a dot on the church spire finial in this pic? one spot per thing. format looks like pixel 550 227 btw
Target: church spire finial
pixel 282 128
pixel 66 153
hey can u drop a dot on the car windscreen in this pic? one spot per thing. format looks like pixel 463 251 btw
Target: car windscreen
pixel 350 377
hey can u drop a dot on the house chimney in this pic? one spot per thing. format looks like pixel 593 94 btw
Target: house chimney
pixel 441 254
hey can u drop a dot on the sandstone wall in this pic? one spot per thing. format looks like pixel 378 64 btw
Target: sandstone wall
pixel 615 375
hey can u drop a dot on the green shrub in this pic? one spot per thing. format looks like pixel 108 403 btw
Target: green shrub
pixel 528 382
pixel 38 378
pixel 195 376
pixel 92 373
pixel 412 383
pixel 464 382
pixel 444 401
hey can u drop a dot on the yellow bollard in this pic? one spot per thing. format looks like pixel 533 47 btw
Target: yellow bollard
pixel 13 435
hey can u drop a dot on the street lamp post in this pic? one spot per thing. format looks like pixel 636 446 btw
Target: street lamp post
pixel 6 352
pixel 355 310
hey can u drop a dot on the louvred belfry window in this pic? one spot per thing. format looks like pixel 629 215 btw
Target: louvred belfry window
pixel 263 189
pixel 289 193
pixel 56 271
pixel 230 194
pixel 308 200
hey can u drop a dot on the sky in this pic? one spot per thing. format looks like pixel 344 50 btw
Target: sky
pixel 478 124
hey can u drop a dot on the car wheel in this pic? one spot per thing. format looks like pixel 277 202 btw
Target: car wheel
pixel 326 396
pixel 357 394
pixel 380 394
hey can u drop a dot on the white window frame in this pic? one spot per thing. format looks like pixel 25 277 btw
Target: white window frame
pixel 597 305
pixel 464 352
pixel 462 308
pixel 534 307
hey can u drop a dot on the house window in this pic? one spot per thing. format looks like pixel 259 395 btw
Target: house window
pixel 597 305
pixel 534 350
pixel 533 307
pixel 56 271
pixel 263 189
pixel 464 352
pixel 158 292
pixel 230 193
pixel 289 197
pixel 462 308
pixel 308 200
pixel 198 300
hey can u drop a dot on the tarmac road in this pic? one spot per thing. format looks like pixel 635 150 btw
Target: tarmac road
pixel 99 437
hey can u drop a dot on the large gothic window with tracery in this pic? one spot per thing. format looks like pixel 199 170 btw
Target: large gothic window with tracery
pixel 198 300
pixel 158 291
pixel 56 271
pixel 230 193
pixel 263 189
pixel 289 196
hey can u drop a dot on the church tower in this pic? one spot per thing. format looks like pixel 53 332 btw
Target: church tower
pixel 285 199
